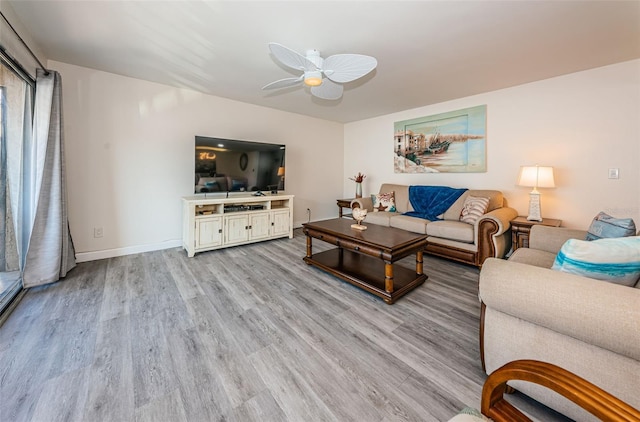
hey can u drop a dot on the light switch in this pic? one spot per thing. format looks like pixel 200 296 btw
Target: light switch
pixel 613 174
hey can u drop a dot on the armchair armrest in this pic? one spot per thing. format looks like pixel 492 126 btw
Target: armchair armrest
pixel 551 239
pixel 580 391
pixel 364 203
pixel 502 216
pixel 593 311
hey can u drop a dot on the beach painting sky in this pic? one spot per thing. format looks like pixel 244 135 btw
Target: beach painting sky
pixel 452 142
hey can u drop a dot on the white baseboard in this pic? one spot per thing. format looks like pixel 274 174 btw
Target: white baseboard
pixel 129 250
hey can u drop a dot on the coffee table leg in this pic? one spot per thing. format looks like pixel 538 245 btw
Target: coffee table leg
pixel 419 262
pixel 308 246
pixel 388 277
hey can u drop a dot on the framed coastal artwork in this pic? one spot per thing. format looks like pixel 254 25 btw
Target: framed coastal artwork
pixel 453 142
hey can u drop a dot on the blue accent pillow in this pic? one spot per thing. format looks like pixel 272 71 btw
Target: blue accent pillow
pixel 604 225
pixel 615 260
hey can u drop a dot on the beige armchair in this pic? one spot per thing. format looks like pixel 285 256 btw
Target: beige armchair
pixel 589 327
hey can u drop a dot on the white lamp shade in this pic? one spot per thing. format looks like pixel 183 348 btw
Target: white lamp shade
pixel 536 177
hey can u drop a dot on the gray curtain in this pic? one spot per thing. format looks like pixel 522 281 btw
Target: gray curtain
pixel 50 253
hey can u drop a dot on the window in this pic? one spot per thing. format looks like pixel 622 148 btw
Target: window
pixel 16 94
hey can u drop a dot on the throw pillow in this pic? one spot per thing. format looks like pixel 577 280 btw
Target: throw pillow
pixel 603 225
pixel 615 260
pixel 384 202
pixel 473 208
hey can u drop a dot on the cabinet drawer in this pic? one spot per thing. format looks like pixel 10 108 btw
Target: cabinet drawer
pixel 347 244
pixel 322 236
pixel 358 247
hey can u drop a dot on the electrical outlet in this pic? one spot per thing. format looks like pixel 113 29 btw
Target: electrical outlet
pixel 614 174
pixel 97 232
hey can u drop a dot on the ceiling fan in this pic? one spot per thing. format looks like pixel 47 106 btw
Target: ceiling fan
pixel 324 76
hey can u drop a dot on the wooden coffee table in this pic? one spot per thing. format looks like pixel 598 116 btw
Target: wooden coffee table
pixel 365 258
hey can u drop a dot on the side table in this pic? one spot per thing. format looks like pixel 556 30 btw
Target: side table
pixel 344 203
pixel 520 228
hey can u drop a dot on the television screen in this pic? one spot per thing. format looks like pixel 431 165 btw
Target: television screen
pixel 227 165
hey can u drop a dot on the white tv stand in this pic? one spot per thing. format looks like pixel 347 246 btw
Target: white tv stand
pixel 216 222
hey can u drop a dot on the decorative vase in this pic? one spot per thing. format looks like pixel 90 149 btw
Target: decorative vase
pixel 358 190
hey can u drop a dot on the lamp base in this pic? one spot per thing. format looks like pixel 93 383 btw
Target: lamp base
pixel 534 207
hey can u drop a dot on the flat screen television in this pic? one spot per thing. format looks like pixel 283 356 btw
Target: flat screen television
pixel 230 165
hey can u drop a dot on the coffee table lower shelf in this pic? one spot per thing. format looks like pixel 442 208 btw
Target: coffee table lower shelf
pixel 366 272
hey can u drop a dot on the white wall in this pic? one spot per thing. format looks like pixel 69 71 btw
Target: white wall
pixel 582 124
pixel 129 148
pixel 129 153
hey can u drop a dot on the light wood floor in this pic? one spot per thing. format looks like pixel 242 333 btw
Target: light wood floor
pixel 242 334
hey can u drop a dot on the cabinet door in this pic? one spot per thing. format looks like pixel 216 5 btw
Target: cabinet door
pixel 236 228
pixel 259 226
pixel 208 232
pixel 280 223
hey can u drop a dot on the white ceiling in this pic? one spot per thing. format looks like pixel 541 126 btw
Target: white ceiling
pixel 427 51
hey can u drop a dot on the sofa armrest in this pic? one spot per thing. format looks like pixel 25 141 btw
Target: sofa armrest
pixel 502 216
pixel 364 203
pixel 596 312
pixel 551 239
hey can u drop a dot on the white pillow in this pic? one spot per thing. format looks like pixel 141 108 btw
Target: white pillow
pixel 616 260
pixel 474 207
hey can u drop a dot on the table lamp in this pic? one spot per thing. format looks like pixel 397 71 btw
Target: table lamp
pixel 537 177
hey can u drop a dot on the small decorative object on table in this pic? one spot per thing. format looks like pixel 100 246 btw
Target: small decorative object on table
pixel 358 179
pixel 359 214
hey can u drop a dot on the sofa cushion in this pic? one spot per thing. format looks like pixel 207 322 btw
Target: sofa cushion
pixel 453 213
pixel 615 260
pixel 535 257
pixel 453 230
pixel 213 184
pixel 431 202
pixel 380 218
pixel 454 244
pixel 604 226
pixel 401 193
pixel 384 202
pixel 551 239
pixel 408 223
pixel 496 200
pixel 474 208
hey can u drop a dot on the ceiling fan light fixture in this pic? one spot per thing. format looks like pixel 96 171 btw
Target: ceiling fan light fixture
pixel 313 78
pixel 337 69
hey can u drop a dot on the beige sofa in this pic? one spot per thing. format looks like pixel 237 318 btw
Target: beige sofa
pixel 449 237
pixel 589 327
pixel 221 184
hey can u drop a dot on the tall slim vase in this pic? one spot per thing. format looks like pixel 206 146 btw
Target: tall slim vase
pixel 358 190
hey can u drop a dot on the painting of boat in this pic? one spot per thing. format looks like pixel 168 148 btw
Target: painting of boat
pixel 447 142
pixel 436 145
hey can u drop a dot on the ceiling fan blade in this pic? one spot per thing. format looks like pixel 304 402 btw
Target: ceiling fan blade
pixel 344 68
pixel 328 90
pixel 291 58
pixel 283 83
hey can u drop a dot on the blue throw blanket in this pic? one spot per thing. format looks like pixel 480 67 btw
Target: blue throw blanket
pixel 431 201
